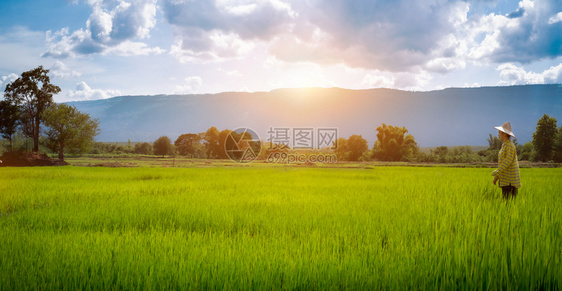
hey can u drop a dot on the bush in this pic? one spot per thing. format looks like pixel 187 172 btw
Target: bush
pixel 526 152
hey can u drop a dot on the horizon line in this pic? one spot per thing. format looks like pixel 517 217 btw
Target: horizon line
pixel 316 88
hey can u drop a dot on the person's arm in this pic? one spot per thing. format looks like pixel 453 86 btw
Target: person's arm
pixel 505 160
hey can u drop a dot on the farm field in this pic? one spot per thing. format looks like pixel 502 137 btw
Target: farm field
pixel 277 227
pixel 134 160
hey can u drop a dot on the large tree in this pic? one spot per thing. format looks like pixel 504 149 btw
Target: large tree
pixel 357 146
pixel 189 144
pixel 68 128
pixel 212 145
pixel 33 93
pixel 163 146
pixel 393 144
pixel 9 116
pixel 544 138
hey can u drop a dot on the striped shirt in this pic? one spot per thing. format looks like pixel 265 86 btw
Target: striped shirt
pixel 508 166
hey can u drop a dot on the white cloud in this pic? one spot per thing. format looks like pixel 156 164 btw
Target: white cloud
pixel 60 70
pixel 397 44
pixel 243 9
pixel 373 34
pixel 218 30
pixel 190 85
pixel 412 81
pixel 84 92
pixel 219 48
pixel 51 36
pixel 378 80
pixel 361 34
pixel 133 19
pixel 556 18
pixel 402 36
pixel 529 34
pixel 230 73
pixel 109 30
pixel 444 65
pixel 516 75
pixel 130 48
pixel 100 25
pixel 5 80
pixel 467 85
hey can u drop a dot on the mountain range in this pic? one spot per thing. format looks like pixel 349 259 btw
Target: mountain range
pixel 449 117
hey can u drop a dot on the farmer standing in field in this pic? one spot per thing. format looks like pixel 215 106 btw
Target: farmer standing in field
pixel 508 167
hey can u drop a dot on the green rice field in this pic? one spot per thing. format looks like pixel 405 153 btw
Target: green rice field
pixel 278 227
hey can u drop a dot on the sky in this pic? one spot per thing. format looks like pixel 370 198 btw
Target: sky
pixel 98 49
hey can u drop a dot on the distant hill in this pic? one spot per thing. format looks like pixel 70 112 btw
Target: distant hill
pixel 455 116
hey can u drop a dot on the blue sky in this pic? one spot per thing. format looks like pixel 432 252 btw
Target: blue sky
pixel 99 49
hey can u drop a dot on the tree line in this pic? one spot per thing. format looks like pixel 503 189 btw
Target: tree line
pixel 393 144
pixel 210 144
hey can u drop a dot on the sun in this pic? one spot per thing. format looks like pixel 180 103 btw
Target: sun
pixel 303 75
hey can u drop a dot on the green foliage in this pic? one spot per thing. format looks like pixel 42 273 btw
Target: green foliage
pixel 458 154
pixel 494 143
pixel 212 144
pixel 221 148
pixel 143 148
pixel 21 142
pixel 9 116
pixel 352 149
pixel 341 149
pixel 440 153
pixel 68 128
pixel 490 156
pixel 463 154
pixel 209 144
pixel 393 145
pixel 190 145
pixel 280 228
pixel 129 146
pixel 269 148
pixel 526 152
pixel 558 147
pixel 163 146
pixel 32 93
pixel 357 146
pixel 367 155
pixel 114 148
pixel 544 138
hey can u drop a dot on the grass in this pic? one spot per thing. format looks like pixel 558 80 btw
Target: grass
pixel 272 227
